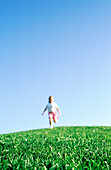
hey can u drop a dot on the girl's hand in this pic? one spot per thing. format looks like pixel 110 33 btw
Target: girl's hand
pixel 59 113
pixel 42 113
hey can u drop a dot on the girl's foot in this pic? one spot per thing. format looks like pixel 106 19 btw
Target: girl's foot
pixel 51 127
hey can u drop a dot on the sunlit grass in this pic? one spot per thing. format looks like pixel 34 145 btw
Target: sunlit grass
pixel 57 148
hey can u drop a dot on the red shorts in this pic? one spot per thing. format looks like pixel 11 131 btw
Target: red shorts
pixel 53 115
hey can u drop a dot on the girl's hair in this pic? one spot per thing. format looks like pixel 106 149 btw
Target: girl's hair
pixel 50 98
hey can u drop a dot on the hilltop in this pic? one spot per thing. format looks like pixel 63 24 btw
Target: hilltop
pixel 57 148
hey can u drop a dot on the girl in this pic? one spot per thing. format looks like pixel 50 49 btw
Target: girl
pixel 52 111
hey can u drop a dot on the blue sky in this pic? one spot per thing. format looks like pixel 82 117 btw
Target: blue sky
pixel 60 48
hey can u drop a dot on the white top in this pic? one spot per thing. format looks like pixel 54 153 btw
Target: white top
pixel 52 107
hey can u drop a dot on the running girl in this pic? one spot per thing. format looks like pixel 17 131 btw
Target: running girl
pixel 52 108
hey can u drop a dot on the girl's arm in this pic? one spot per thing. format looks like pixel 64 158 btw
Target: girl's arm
pixel 58 111
pixel 44 111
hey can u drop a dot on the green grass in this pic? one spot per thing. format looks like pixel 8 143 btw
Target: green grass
pixel 59 148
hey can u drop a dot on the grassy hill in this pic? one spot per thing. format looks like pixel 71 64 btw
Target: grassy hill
pixel 57 148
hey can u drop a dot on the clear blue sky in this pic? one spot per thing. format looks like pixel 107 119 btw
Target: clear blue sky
pixel 54 47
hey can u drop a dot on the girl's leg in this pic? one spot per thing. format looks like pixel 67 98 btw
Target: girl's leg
pixel 51 122
pixel 55 119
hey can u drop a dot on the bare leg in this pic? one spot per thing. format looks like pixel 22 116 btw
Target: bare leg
pixel 55 120
pixel 51 123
